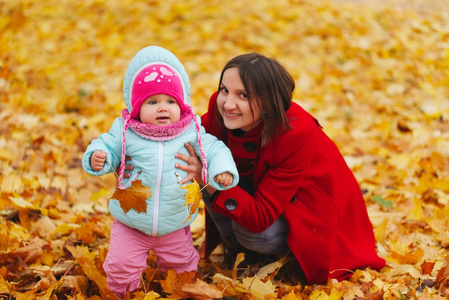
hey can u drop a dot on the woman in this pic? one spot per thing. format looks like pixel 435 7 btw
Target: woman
pixel 295 190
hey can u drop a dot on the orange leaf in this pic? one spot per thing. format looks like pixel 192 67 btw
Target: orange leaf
pixel 172 285
pixel 427 267
pixel 408 258
pixel 201 290
pixel 134 197
pixel 442 280
pixel 85 233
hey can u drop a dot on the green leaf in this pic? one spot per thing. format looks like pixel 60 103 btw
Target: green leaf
pixel 384 203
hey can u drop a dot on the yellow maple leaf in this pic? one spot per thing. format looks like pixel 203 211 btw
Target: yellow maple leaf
pixel 134 197
pixel 193 197
pixel 258 289
pixel 323 296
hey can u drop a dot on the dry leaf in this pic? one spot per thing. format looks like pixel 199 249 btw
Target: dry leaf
pixel 201 290
pixel 238 259
pixel 84 258
pixel 33 251
pixel 173 283
pixel 257 288
pixel 442 280
pixel 427 267
pixel 151 296
pixel 193 198
pixel 133 197
pixel 321 295
pixel 381 94
pixel 4 286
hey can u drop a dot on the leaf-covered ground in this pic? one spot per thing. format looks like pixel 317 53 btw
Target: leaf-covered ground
pixel 376 76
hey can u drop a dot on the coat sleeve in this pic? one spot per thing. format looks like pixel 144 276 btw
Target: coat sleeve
pixel 111 143
pixel 283 178
pixel 219 159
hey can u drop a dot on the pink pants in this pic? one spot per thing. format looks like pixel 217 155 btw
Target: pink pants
pixel 128 253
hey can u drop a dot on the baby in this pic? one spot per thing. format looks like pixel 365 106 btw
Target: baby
pixel 149 208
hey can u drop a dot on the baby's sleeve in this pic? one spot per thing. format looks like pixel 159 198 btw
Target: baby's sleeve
pixel 111 143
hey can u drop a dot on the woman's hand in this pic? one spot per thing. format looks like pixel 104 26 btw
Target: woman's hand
pixel 193 167
pixel 128 167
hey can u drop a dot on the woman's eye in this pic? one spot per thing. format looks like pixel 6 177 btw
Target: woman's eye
pixel 244 95
pixel 223 89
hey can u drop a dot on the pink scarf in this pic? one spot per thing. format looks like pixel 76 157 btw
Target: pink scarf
pixel 158 133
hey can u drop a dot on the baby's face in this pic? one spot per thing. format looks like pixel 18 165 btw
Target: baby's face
pixel 159 110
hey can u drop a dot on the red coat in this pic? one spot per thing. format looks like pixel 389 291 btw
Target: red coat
pixel 301 176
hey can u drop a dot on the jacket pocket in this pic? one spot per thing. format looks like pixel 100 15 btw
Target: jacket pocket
pixel 321 203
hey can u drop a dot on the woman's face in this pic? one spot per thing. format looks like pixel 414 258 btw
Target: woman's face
pixel 233 104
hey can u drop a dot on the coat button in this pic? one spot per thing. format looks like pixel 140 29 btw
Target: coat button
pixel 230 204
pixel 250 146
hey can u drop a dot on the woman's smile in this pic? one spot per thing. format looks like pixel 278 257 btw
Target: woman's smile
pixel 231 115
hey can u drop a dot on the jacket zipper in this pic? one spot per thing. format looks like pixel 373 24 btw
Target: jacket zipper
pixel 157 189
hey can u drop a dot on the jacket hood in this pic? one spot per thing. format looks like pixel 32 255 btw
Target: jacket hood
pixel 150 56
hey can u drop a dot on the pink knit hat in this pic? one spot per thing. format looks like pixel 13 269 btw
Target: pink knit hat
pixel 152 80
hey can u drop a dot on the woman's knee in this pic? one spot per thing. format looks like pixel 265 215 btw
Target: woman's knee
pixel 271 241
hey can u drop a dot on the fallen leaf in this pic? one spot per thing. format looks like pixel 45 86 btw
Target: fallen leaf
pixel 321 295
pixel 442 280
pixel 173 283
pixel 272 268
pixel 201 290
pixel 258 289
pixel 84 258
pixel 384 203
pixel 4 286
pixel 152 295
pixel 427 267
pixel 238 259
pixel 33 251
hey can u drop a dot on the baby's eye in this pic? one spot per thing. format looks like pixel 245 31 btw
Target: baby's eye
pixel 172 101
pixel 152 102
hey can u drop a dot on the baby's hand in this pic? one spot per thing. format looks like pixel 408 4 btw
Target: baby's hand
pixel 97 160
pixel 225 179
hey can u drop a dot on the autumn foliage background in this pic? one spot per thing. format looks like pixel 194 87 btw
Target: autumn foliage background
pixel 375 75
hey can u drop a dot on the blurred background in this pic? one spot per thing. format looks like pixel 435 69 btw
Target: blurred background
pixel 375 73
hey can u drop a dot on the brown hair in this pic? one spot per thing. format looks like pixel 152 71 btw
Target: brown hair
pixel 269 86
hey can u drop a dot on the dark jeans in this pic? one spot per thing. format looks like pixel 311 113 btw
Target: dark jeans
pixel 272 241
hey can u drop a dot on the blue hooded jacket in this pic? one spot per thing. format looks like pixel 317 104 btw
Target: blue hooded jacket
pixel 154 161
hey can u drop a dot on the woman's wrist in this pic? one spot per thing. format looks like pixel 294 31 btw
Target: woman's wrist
pixel 210 191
